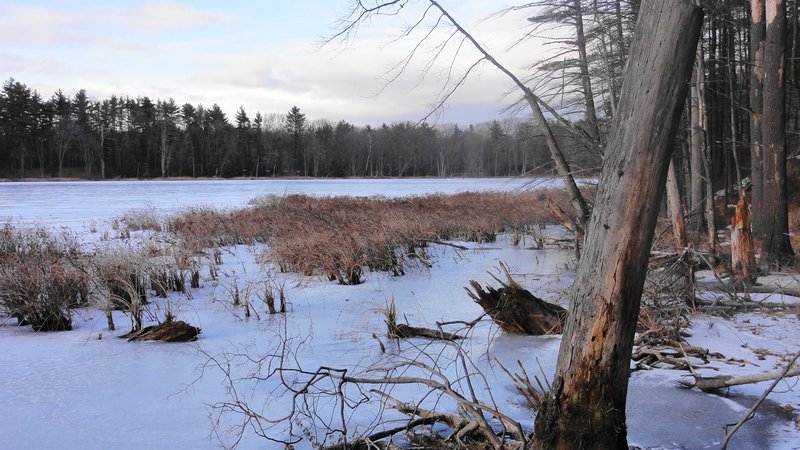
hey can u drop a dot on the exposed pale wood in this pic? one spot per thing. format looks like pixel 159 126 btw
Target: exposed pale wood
pixel 751 413
pixel 586 405
pixel 743 260
pixel 675 204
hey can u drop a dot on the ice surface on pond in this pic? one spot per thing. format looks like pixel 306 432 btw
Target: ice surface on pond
pixel 77 204
pixel 88 389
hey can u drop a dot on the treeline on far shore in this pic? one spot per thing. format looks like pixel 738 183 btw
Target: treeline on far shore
pixel 74 135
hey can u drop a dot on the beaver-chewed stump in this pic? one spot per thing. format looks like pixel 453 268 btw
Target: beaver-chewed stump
pixel 178 331
pixel 515 310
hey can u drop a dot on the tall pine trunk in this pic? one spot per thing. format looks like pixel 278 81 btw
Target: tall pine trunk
pixel 586 406
pixel 776 250
pixel 698 140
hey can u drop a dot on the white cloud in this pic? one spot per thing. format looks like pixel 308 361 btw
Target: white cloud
pixel 350 83
pixel 162 16
pixel 235 66
pixel 24 24
pixel 43 26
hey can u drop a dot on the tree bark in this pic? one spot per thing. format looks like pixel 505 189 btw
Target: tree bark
pixel 586 406
pixel 776 250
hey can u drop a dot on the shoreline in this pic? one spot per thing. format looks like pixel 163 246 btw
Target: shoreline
pixel 72 180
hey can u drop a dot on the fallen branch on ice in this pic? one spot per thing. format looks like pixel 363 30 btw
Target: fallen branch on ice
pixel 712 383
pixel 750 414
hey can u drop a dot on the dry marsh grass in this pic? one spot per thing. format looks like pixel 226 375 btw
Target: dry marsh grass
pixel 139 220
pixel 41 278
pixel 44 275
pixel 340 237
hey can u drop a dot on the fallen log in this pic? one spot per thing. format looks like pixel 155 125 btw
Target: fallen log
pixel 179 331
pixel 397 330
pixel 407 331
pixel 516 310
pixel 719 382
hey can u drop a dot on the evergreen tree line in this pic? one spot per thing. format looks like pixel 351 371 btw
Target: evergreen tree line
pixel 123 137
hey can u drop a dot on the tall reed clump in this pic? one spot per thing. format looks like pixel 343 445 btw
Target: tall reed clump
pixel 122 281
pixel 42 276
pixel 341 237
pixel 140 219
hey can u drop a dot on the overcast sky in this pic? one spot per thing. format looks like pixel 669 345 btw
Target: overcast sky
pixel 264 55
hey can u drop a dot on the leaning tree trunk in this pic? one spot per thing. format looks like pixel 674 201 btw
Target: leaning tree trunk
pixel 538 116
pixel 776 249
pixel 586 405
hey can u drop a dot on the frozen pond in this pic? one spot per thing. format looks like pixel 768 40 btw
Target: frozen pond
pixel 87 389
pixel 76 204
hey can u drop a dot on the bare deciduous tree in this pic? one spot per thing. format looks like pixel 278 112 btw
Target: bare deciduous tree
pixel 359 12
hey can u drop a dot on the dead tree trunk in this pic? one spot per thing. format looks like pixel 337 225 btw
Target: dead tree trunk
pixel 757 33
pixel 698 139
pixel 776 249
pixel 743 261
pixel 586 406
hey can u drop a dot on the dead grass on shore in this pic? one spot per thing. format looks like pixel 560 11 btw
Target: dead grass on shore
pixel 339 237
pixel 41 278
pixel 44 275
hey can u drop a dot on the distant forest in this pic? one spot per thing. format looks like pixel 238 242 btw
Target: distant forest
pixel 123 137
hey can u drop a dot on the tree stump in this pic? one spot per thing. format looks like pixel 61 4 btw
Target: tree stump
pixel 516 310
pixel 743 260
pixel 179 331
